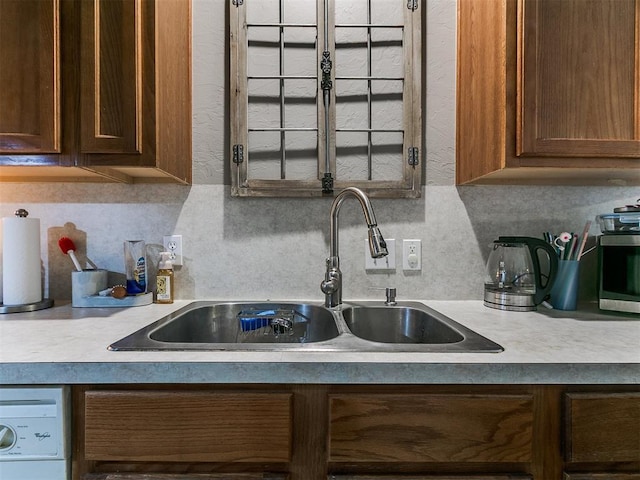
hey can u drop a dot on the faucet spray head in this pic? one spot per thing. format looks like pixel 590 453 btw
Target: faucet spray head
pixel 377 245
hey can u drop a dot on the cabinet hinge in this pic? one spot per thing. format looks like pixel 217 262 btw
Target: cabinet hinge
pixel 412 5
pixel 238 154
pixel 412 156
pixel 237 3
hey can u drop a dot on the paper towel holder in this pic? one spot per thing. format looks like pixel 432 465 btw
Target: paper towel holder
pixel 29 307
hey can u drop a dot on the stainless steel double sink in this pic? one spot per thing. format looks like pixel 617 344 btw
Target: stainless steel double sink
pixel 270 326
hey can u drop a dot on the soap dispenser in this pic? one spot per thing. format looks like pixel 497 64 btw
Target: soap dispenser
pixel 164 279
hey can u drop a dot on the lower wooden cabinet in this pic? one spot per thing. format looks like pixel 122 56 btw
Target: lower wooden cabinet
pixel 602 476
pixel 602 427
pixel 360 432
pixel 431 477
pixel 185 476
pixel 602 434
pixel 200 426
pixel 430 428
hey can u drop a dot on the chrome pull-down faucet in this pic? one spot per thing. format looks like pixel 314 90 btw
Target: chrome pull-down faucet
pixel 332 284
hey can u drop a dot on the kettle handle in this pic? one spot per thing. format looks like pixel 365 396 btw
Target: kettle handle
pixel 535 244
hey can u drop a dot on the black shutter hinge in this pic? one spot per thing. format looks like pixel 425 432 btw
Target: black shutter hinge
pixel 412 156
pixel 238 154
pixel 327 183
pixel 325 66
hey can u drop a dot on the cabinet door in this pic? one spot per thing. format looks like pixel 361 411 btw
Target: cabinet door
pixel 603 427
pixel 200 426
pixel 135 84
pixel 552 115
pixel 29 76
pixel 431 428
pixel 580 78
pixel 111 76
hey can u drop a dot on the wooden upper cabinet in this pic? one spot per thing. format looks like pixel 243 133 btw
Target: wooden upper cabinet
pixel 548 92
pixel 580 83
pixel 29 77
pixel 136 88
pixel 103 86
pixel 111 80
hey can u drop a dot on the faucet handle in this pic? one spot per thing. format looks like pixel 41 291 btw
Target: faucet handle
pixel 329 286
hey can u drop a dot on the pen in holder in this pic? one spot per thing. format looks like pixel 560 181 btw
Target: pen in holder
pixel 86 283
pixel 570 248
pixel 564 293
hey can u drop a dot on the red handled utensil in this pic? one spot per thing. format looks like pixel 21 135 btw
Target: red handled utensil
pixel 68 248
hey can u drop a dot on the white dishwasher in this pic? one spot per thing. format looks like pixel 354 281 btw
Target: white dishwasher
pixel 34 433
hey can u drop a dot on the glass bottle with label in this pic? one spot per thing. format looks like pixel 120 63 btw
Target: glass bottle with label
pixel 164 279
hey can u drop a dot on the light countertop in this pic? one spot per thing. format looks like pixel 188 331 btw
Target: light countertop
pixel 65 345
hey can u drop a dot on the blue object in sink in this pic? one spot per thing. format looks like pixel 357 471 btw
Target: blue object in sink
pixel 253 320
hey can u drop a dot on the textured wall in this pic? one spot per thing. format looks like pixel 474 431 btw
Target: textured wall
pixel 275 248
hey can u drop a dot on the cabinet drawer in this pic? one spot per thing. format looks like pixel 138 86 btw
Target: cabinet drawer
pixel 430 428
pixel 601 476
pixel 187 476
pixel 602 427
pixel 432 477
pixel 187 426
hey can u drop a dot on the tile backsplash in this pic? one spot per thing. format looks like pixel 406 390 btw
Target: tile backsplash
pixel 244 248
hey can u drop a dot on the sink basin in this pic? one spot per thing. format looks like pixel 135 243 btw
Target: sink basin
pixel 398 325
pixel 278 326
pixel 213 326
pixel 413 324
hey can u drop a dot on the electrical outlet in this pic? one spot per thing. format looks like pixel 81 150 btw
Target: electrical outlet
pixel 384 263
pixel 412 255
pixel 173 245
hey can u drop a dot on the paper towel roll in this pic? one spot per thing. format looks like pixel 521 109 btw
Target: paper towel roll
pixel 21 278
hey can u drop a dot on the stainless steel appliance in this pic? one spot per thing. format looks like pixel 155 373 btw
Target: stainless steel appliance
pixel 34 433
pixel 514 279
pixel 619 259
pixel 619 272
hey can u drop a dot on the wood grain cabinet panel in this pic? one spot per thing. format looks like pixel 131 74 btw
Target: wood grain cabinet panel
pixel 548 92
pixel 172 426
pixel 135 116
pixel 602 427
pixel 602 476
pixel 95 90
pixel 29 77
pixel 111 81
pixel 430 428
pixel 346 432
pixel 431 477
pixel 581 78
pixel 184 476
